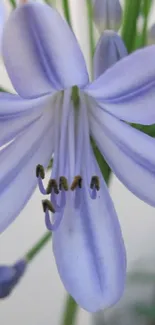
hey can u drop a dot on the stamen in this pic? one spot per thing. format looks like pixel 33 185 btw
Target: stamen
pixel 77 182
pixel 40 174
pixel 95 183
pixel 63 183
pixel 40 171
pixel 47 205
pixel 52 184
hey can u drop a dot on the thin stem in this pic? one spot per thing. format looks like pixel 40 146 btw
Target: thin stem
pixel 131 14
pixel 35 250
pixel 91 32
pixel 66 11
pixel 69 316
pixel 146 10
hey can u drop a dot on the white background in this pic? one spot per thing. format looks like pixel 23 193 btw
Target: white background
pixel 40 297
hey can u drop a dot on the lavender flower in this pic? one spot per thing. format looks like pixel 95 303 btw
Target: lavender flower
pixel 107 14
pixel 56 111
pixel 10 276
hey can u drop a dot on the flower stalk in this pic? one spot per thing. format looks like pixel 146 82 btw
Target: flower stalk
pixel 131 13
pixel 146 10
pixel 91 32
pixel 39 245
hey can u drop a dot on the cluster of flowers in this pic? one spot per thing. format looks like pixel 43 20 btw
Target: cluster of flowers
pixel 45 119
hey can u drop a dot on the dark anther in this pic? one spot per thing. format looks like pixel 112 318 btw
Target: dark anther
pixel 52 184
pixel 63 184
pixel 40 171
pixel 77 182
pixel 95 182
pixel 48 205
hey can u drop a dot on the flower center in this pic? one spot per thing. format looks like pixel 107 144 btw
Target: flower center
pixel 69 176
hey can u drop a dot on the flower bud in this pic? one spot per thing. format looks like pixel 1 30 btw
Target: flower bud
pixel 107 14
pixel 109 50
pixel 10 276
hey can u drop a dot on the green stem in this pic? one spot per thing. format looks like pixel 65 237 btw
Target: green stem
pixel 91 32
pixel 66 11
pixel 146 10
pixel 129 28
pixel 70 313
pixel 13 3
pixel 35 250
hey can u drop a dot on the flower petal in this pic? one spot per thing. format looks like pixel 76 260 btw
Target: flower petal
pixel 109 50
pixel 129 153
pixel 17 113
pixel 18 163
pixel 127 89
pixel 40 51
pixel 107 14
pixel 89 251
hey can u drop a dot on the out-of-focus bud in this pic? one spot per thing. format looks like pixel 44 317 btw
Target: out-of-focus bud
pixel 10 276
pixel 107 14
pixel 109 50
pixel 151 35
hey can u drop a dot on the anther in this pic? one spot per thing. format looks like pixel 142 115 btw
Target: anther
pixel 63 184
pixel 47 205
pixel 40 171
pixel 77 182
pixel 52 184
pixel 95 183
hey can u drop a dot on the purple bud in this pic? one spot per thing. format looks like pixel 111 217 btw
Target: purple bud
pixel 107 14
pixel 109 50
pixel 10 276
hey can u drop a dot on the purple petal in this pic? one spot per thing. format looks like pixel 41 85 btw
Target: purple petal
pixel 89 251
pixel 16 114
pixel 109 50
pixel 127 89
pixel 129 153
pixel 18 163
pixel 107 14
pixel 40 51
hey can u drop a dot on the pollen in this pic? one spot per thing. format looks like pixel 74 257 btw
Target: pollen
pixel 77 182
pixel 52 184
pixel 63 183
pixel 47 205
pixel 40 171
pixel 95 183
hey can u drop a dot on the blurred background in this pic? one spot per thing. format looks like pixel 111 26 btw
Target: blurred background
pixel 39 298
